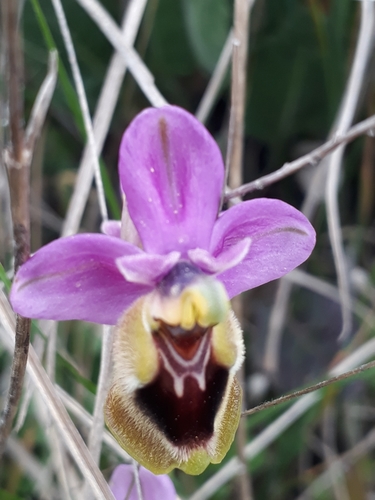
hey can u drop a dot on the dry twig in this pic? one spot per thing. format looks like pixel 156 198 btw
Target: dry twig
pixel 213 88
pixel 102 117
pixel 311 159
pixel 97 428
pixel 17 159
pixel 307 390
pixel 349 107
pixel 347 460
pixel 70 434
pixel 233 175
pixel 137 67
pixel 276 428
pixel 82 102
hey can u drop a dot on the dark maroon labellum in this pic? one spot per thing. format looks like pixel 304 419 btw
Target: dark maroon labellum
pixel 188 419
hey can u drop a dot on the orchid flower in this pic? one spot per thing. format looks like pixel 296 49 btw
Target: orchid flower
pixel 123 487
pixel 174 399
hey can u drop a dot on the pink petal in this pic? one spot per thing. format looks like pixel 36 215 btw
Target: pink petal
pixel 230 257
pixel 146 269
pixel 172 173
pixel 76 278
pixel 128 230
pixel 153 487
pixel 281 239
pixel 111 228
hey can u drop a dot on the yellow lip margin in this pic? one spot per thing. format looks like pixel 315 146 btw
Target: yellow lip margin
pixel 141 438
pixel 135 364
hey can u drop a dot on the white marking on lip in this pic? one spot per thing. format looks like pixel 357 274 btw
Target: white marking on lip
pixel 195 367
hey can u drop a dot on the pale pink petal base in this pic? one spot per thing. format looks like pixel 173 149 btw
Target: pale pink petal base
pixel 146 269
pixel 225 260
pixel 111 228
pixel 128 230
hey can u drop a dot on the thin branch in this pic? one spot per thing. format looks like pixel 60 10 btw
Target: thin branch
pixel 137 480
pixel 42 103
pixel 102 118
pixel 244 477
pixel 137 67
pixel 313 197
pixel 14 76
pixel 349 106
pixel 279 309
pixel 21 349
pixel 86 419
pixel 97 428
pixel 307 390
pixel 24 406
pixel 347 459
pixel 18 174
pixel 238 93
pixel 233 175
pixel 57 449
pixel 67 476
pixel 275 327
pixel 313 159
pixel 38 472
pixel 49 328
pixel 18 165
pixel 28 390
pixel 69 433
pixel 214 85
pixel 60 460
pixel 328 445
pixel 44 420
pixel 96 432
pixel 322 287
pixel 83 103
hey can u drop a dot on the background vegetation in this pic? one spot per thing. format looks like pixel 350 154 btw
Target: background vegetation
pixel 300 55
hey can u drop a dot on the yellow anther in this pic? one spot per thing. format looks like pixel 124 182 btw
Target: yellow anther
pixel 188 311
pixel 204 303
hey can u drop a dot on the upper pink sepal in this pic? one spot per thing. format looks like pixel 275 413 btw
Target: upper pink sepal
pixel 172 173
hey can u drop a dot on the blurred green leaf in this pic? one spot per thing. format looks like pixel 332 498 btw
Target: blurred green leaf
pixel 4 495
pixel 4 278
pixel 110 192
pixel 286 92
pixel 332 30
pixel 68 89
pixel 169 48
pixel 208 23
pixel 73 103
pixel 63 364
